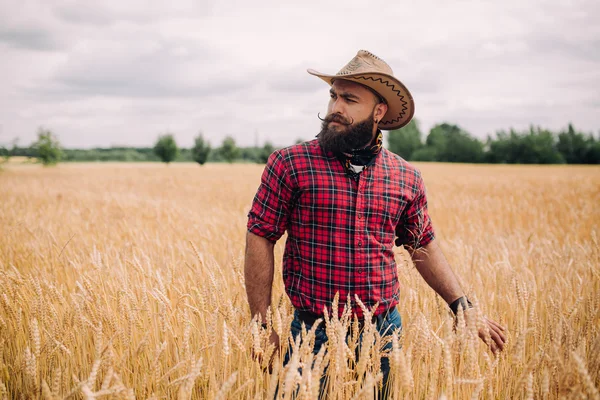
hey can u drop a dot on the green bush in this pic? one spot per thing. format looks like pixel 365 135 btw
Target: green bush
pixel 47 147
pixel 166 148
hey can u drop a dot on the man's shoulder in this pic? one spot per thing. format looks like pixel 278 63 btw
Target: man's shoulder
pixel 310 148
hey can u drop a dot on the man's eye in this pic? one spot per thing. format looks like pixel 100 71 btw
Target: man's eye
pixel 332 95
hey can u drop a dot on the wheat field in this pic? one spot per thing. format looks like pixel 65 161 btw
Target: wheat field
pixel 126 281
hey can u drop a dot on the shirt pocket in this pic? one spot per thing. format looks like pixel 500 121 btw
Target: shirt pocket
pixel 384 214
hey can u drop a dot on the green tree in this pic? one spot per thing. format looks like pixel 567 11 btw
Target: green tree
pixel 593 155
pixel 166 148
pixel 575 147
pixel 406 140
pixel 229 150
pixel 4 156
pixel 426 153
pixel 47 147
pixel 201 150
pixel 450 143
pixel 6 153
pixel 496 148
pixel 535 146
pixel 539 147
pixel 249 154
pixel 265 152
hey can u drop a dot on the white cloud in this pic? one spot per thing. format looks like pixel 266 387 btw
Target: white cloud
pixel 123 72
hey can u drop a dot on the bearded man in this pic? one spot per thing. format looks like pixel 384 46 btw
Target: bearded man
pixel 345 201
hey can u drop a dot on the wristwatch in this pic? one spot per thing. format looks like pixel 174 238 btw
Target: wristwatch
pixel 463 302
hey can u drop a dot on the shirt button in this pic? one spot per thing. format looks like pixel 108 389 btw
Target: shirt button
pixel 359 243
pixel 360 271
pixel 360 216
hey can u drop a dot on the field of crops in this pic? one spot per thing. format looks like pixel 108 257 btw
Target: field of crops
pixel 126 281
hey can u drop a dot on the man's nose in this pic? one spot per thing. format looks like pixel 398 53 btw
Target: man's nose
pixel 336 107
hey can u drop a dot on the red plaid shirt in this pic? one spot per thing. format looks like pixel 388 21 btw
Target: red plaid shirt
pixel 341 231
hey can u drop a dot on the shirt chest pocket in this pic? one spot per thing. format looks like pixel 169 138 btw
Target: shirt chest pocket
pixel 384 212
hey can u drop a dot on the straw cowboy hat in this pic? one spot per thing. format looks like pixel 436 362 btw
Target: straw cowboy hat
pixel 371 71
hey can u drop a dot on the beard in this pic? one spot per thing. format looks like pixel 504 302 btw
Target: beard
pixel 347 137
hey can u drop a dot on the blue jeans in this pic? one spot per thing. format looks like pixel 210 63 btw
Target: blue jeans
pixel 387 324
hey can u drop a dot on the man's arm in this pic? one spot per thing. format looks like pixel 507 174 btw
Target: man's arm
pixel 433 267
pixel 259 267
pixel 267 221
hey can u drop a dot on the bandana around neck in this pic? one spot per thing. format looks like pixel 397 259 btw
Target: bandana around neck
pixel 359 160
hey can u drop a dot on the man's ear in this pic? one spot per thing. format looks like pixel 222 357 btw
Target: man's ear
pixel 380 110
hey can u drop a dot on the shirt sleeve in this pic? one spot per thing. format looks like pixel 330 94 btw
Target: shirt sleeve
pixel 269 214
pixel 415 229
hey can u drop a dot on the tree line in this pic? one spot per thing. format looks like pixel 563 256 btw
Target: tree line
pixel 444 143
pixel 450 143
pixel 48 151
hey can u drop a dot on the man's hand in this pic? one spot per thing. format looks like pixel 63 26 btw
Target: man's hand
pixel 433 267
pixel 491 332
pixel 495 331
pixel 273 343
pixel 258 274
pixel 274 340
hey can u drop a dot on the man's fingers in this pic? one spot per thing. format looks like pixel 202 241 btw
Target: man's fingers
pixel 494 323
pixel 495 333
pixel 497 340
pixel 499 333
pixel 494 348
pixel 497 328
pixel 496 343
pixel 502 336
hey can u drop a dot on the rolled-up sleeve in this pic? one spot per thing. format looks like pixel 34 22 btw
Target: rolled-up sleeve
pixel 271 207
pixel 415 229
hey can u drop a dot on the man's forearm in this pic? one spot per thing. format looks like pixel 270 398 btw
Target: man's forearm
pixel 259 267
pixel 433 267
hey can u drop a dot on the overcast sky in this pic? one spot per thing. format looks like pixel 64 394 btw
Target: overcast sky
pixel 122 72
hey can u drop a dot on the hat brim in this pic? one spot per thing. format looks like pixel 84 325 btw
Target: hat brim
pixel 401 107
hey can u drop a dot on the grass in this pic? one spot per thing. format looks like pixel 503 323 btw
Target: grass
pixel 126 281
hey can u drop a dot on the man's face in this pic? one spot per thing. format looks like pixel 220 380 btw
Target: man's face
pixel 350 121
